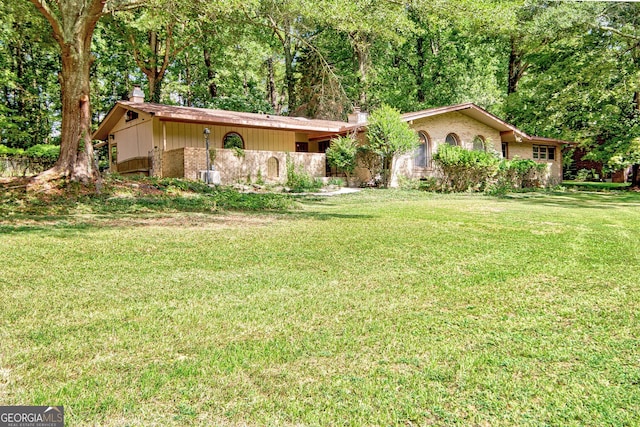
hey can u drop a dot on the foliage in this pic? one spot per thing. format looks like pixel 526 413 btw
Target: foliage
pixel 47 153
pixel 141 195
pixel 519 174
pixel 233 140
pixel 595 186
pixel 43 151
pixel 29 105
pixel 9 151
pixel 389 136
pixel 465 170
pixel 342 154
pixel 300 181
pixel 558 69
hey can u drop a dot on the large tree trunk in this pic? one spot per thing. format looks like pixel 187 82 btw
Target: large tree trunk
pixel 422 96
pixel 271 84
pixel 635 176
pixel 289 73
pixel 76 161
pixel 517 67
pixel 362 56
pixel 211 74
pixel 153 74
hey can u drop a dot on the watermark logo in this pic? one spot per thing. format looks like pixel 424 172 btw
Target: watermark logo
pixel 31 416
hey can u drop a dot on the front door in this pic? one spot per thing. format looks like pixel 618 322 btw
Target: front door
pixel 323 146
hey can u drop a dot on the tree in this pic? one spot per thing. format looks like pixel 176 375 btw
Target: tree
pixel 389 136
pixel 28 103
pixel 156 36
pixel 73 24
pixel 342 154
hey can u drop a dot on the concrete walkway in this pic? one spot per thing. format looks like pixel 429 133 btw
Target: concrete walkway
pixel 342 190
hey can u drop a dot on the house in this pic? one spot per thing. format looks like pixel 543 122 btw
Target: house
pixel 474 128
pixel 170 141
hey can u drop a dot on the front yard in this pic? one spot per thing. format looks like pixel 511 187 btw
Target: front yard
pixel 377 308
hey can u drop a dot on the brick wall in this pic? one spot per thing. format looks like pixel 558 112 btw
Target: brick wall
pixel 156 163
pixel 173 164
pixel 195 160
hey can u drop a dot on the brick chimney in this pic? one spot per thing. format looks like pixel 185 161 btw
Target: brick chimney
pixel 358 116
pixel 137 95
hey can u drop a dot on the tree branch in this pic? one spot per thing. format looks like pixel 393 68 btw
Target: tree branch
pixel 44 8
pixel 121 5
pixel 620 33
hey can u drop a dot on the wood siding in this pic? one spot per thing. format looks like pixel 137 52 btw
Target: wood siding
pixel 180 135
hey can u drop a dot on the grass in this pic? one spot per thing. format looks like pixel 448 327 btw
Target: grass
pixel 379 308
pixel 595 186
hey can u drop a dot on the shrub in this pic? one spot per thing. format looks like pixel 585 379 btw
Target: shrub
pixel 8 151
pixel 518 174
pixel 342 154
pixel 389 136
pixel 45 152
pixel 465 170
pixel 300 181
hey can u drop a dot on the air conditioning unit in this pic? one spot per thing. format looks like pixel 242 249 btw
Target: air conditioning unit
pixel 213 178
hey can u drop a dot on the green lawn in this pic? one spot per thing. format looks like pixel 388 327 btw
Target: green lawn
pixel 595 186
pixel 380 308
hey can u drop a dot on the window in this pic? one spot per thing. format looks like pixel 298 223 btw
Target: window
pixel 302 147
pixel 422 157
pixel 479 143
pixel 543 152
pixel 505 150
pixel 452 139
pixel 131 115
pixel 233 140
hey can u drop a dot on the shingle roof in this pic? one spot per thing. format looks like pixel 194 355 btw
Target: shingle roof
pixel 220 117
pixel 300 124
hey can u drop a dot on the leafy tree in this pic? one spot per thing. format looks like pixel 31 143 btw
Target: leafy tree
pixel 342 154
pixel 29 105
pixel 585 87
pixel 73 24
pixel 389 136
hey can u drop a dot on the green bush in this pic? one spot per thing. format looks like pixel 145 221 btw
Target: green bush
pixel 8 151
pixel 300 181
pixel 342 154
pixel 518 174
pixel 465 170
pixel 389 136
pixel 46 152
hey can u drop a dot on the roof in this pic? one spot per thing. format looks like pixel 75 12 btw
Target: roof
pixel 468 109
pixel 315 128
pixel 483 116
pixel 218 117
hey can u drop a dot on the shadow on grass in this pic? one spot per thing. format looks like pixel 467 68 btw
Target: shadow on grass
pixel 580 200
pixel 69 230
pixel 72 225
pixel 324 216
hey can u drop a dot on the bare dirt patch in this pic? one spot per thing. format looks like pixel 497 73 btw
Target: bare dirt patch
pixel 182 220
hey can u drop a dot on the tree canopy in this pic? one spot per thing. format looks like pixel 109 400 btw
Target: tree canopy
pixel 557 69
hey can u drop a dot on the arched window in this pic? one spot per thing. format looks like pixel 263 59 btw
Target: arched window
pixel 452 139
pixel 273 168
pixel 422 158
pixel 233 140
pixel 479 143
